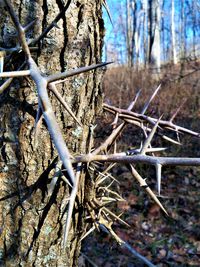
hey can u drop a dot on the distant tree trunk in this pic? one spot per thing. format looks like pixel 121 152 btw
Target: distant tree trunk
pixel 136 33
pixel 173 34
pixel 183 32
pixel 154 51
pixel 31 221
pixel 144 4
pixel 129 34
pixel 194 26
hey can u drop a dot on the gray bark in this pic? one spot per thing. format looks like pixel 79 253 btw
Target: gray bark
pixel 31 221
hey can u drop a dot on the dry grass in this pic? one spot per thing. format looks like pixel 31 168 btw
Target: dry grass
pixel 121 84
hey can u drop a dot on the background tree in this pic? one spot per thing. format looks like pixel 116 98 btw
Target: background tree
pixel 31 216
pixel 173 34
pixel 168 29
pixel 154 29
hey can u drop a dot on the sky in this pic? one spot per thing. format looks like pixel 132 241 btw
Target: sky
pixel 115 37
pixel 111 36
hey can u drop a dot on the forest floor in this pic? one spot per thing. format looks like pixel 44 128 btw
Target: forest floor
pixel 165 241
pixel 172 240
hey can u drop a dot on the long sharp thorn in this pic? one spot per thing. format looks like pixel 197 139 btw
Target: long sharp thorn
pixel 29 25
pixel 132 104
pixel 170 140
pixel 71 204
pixel 177 111
pixel 178 137
pixel 150 100
pixel 55 178
pixel 143 183
pixel 149 138
pixel 156 149
pixel 115 216
pixel 70 73
pixel 5 85
pixel 158 175
pixel 88 232
pixel 38 122
pixel 154 197
pixel 114 123
pixel 56 25
pixel 2 55
pixel 52 87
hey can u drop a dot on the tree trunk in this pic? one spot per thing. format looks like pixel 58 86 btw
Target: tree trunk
pixel 154 34
pixel 173 34
pixel 129 34
pixel 31 216
pixel 144 4
pixel 183 38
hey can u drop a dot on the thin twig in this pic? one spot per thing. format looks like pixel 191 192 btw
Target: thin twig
pixel 137 254
pixel 123 113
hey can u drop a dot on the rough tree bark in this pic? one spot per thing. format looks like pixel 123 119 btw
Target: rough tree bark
pixel 31 218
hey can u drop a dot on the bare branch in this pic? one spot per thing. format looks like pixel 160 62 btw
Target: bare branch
pixel 106 227
pixel 118 158
pixel 146 187
pixel 136 254
pixel 123 113
pixel 7 83
pixel 139 124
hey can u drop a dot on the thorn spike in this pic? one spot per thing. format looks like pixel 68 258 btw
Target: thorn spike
pixel 158 175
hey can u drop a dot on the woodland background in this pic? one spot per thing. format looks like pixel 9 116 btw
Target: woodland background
pixel 154 42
